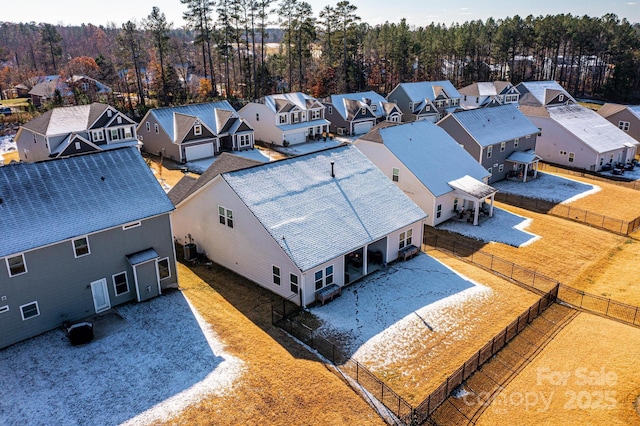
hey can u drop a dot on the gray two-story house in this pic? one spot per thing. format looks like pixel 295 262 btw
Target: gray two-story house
pixel 357 113
pixel 66 131
pixel 425 100
pixel 81 235
pixel 192 132
pixel 286 119
pixel 501 138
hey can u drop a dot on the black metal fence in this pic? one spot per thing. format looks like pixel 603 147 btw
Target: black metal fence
pixel 347 365
pixel 591 175
pixel 437 397
pixel 600 305
pixel 596 220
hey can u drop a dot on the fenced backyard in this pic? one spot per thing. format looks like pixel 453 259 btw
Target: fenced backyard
pixel 566 211
pixel 591 175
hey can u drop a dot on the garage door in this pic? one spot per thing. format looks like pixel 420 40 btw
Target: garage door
pixel 294 138
pixel 360 128
pixel 197 152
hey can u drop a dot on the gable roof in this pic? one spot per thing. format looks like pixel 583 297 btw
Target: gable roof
pixel 590 127
pixel 430 90
pixel 223 163
pixel 339 102
pixel 538 93
pixel 609 109
pixel 63 120
pixel 315 217
pixel 301 100
pixel 485 88
pixel 433 156
pixel 497 124
pixel 51 201
pixel 206 113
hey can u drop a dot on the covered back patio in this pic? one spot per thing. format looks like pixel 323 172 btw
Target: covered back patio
pixel 525 165
pixel 474 194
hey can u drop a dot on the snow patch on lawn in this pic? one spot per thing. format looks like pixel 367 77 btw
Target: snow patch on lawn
pixel 548 187
pixel 384 316
pixel 165 358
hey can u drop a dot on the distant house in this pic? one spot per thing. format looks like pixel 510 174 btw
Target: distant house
pixel 302 226
pixel 81 234
pixel 192 132
pixel 68 89
pixel 482 94
pixel 429 166
pixel 626 117
pixel 357 113
pixel 427 100
pixel 66 131
pixel 286 119
pixel 570 134
pixel 501 139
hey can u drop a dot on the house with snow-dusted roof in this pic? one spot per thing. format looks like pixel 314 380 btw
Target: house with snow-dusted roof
pixel 192 132
pixel 73 130
pixel 626 117
pixel 81 234
pixel 502 139
pixel 430 167
pixel 425 100
pixel 478 95
pixel 543 94
pixel 286 119
pixel 302 226
pixel 357 113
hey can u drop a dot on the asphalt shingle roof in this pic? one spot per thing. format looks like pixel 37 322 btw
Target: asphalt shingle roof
pixel 51 201
pixel 315 217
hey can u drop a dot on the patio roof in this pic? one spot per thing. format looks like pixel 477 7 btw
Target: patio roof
pixel 472 187
pixel 523 157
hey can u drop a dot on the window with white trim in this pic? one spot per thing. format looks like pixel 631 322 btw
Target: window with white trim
pixel 16 265
pixel 4 309
pixel 197 130
pixel 500 167
pixel 226 216
pixel 109 113
pixel 120 283
pixel 296 117
pixel 439 211
pixel 319 279
pixel 516 141
pixel 405 238
pixel 119 119
pixel 561 98
pixel 130 225
pixel 81 247
pixel 282 119
pixel 455 204
pixel 114 134
pixel 623 125
pixel 148 126
pixel 571 157
pixel 503 146
pixel 395 174
pixel 244 140
pixel 374 108
pixel 330 110
pixel 29 310
pixel 156 128
pixel 489 151
pixel 363 110
pixel 97 135
pixel 128 132
pixel 293 283
pixel 77 145
pixel 163 268
pixel 455 102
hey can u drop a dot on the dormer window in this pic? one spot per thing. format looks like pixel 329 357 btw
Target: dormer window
pixel 374 108
pixel 561 98
pixel 197 130
pixel 282 118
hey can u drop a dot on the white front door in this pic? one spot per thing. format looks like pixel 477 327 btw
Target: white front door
pixel 100 295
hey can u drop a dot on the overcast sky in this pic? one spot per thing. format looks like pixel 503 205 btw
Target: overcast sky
pixel 417 12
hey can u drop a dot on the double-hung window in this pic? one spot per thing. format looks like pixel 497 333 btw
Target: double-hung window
pixel 226 216
pixel 293 283
pixel 276 274
pixel 16 265
pixel 120 284
pixel 29 310
pixel 405 238
pixel 81 247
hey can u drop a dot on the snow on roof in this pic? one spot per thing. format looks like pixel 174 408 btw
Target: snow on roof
pixel 375 99
pixel 538 89
pixel 473 187
pixel 496 124
pixel 480 89
pixel 428 89
pixel 298 99
pixel 51 201
pixel 635 110
pixel 142 256
pixel 524 157
pixel 590 127
pixel 315 217
pixel 206 113
pixel 66 119
pixel 433 156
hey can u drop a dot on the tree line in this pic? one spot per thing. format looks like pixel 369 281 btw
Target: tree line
pixel 244 49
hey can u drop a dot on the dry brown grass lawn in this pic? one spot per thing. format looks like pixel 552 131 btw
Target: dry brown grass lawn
pixel 588 375
pixel 433 357
pixel 613 201
pixel 11 156
pixel 283 383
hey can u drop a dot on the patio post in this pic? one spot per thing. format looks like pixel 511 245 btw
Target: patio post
pixel 493 196
pixel 526 169
pixel 476 210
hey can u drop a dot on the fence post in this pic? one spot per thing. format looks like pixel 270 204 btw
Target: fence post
pixel 512 265
pixel 635 316
pixel 581 298
pixel 608 303
pixel 491 267
pixel 357 372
